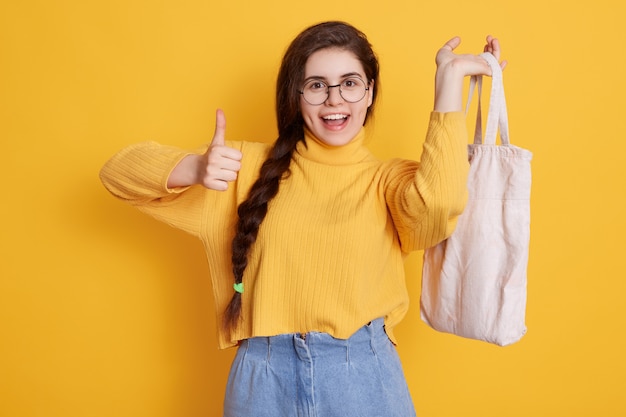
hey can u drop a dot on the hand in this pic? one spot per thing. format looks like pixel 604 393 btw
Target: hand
pixel 452 68
pixel 220 164
pixel 467 64
pixel 493 46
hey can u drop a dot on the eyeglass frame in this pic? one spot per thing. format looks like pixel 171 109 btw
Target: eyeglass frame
pixel 328 87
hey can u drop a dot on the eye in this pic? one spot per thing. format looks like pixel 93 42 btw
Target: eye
pixel 315 85
pixel 352 83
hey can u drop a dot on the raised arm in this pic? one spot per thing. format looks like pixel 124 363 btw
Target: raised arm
pixel 158 179
pixel 452 68
pixel 425 199
pixel 214 169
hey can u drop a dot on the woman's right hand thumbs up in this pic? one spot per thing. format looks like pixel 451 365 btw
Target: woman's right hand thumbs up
pixel 214 169
pixel 221 163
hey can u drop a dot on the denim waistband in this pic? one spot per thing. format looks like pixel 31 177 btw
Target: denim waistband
pixel 317 375
pixel 311 345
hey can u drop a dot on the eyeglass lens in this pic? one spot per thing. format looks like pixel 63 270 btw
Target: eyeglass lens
pixel 316 92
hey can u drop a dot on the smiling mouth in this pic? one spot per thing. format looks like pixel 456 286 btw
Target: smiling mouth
pixel 335 119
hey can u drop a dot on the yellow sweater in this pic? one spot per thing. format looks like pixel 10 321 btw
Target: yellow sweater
pixel 329 255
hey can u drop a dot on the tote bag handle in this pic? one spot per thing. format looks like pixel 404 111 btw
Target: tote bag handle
pixel 497 116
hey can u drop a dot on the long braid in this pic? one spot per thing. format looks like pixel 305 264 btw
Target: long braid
pixel 252 213
pixel 253 210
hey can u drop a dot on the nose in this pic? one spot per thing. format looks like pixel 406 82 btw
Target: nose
pixel 334 96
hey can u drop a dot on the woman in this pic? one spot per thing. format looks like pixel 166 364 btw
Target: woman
pixel 305 239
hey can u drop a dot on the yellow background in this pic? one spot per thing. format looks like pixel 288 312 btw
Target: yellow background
pixel 105 312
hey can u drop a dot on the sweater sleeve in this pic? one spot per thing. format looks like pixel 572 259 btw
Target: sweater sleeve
pixel 425 199
pixel 138 175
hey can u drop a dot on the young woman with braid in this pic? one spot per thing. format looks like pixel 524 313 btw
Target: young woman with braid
pixel 305 239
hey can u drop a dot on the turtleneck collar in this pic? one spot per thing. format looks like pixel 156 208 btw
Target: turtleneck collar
pixel 317 151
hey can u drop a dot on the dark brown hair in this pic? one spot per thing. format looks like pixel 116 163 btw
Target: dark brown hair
pixel 290 131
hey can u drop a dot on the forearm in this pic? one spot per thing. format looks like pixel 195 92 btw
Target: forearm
pixel 425 200
pixel 186 172
pixel 139 173
pixel 449 88
pixel 442 177
pixel 444 166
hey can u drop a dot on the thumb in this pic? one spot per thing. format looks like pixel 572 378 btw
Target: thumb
pixel 453 43
pixel 220 128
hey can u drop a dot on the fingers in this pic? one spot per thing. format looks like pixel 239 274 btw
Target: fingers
pixel 445 53
pixel 222 162
pixel 220 128
pixel 493 46
pixel 453 43
pixel 221 168
pixel 218 144
pixel 219 138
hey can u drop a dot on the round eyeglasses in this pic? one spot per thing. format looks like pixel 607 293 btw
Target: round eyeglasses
pixel 352 90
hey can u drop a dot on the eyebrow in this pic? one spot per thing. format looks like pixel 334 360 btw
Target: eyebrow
pixel 347 75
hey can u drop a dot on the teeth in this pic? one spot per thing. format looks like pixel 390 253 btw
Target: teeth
pixel 335 117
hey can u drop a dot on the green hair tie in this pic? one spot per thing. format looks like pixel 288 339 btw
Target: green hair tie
pixel 238 287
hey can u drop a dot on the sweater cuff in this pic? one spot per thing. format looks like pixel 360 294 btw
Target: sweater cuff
pixel 455 116
pixel 160 161
pixel 141 171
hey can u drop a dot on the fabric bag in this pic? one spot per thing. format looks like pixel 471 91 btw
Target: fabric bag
pixel 474 282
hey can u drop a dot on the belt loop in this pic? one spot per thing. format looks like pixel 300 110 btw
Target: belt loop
pixel 244 345
pixel 371 328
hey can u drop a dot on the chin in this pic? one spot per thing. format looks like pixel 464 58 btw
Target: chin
pixel 336 137
pixel 336 140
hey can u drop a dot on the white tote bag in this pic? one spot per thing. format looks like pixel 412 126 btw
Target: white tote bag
pixel 474 282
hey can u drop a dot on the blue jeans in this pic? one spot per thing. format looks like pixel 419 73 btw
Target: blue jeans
pixel 293 375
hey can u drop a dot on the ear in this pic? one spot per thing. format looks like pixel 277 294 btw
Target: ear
pixel 370 93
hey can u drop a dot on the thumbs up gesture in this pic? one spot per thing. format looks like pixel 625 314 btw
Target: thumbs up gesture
pixel 220 163
pixel 214 169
